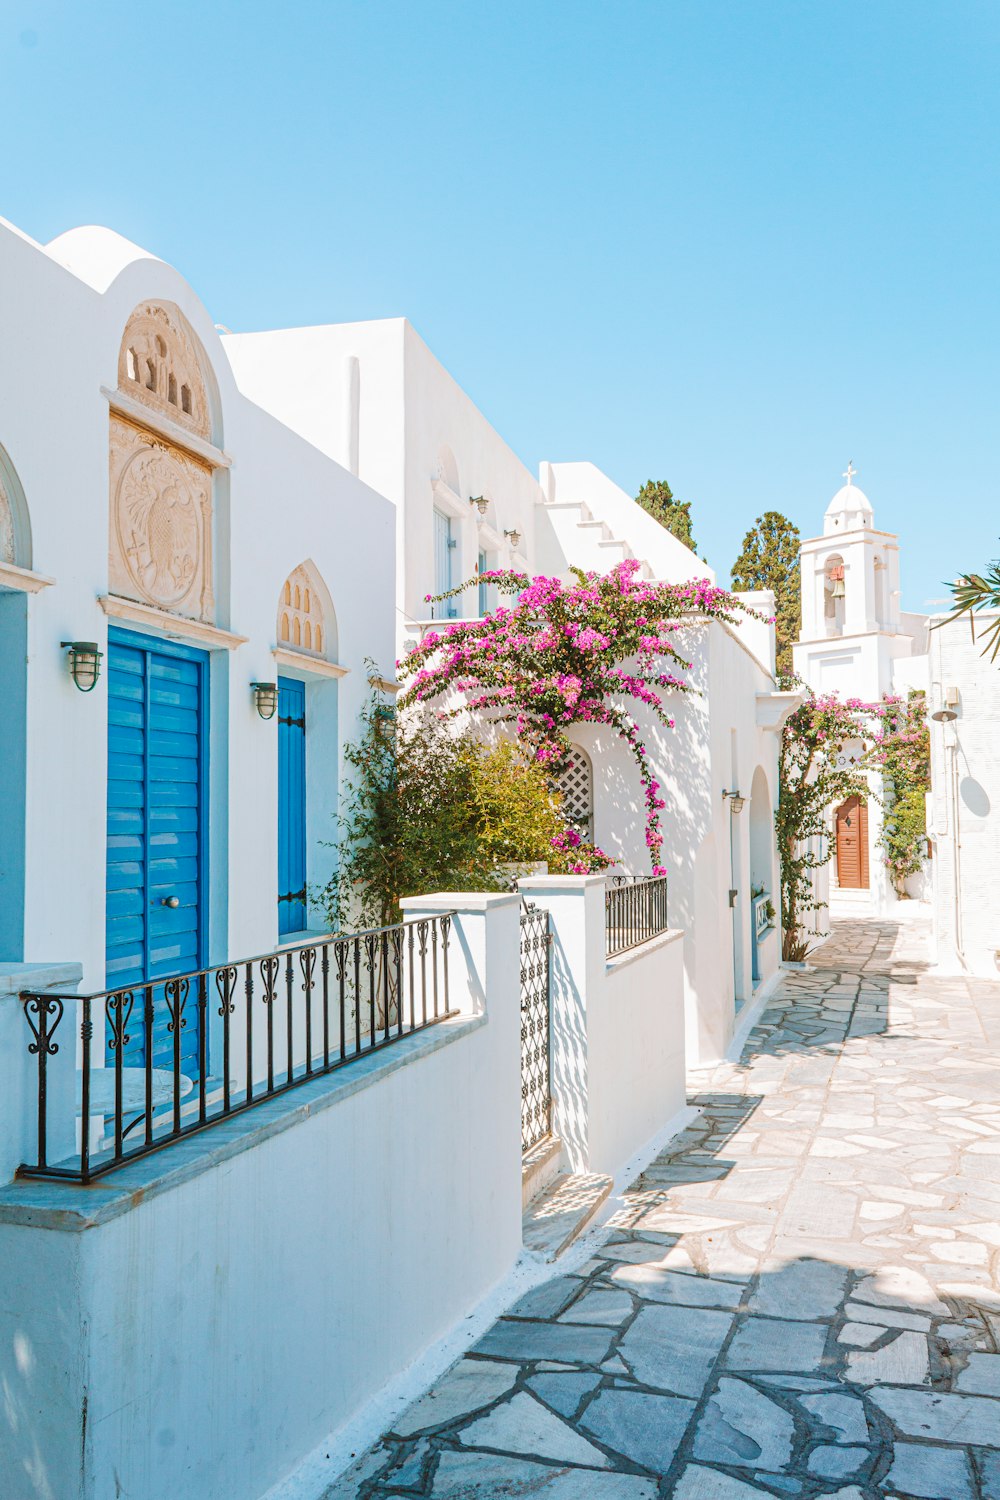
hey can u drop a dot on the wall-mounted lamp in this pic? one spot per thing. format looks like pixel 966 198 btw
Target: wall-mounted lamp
pixel 514 537
pixel 736 802
pixel 265 697
pixel 949 709
pixel 480 502
pixel 84 663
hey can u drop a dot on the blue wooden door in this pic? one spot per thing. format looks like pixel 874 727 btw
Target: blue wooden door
pixel 156 865
pixel 291 805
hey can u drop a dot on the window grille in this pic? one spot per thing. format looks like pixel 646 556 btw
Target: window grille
pixel 576 785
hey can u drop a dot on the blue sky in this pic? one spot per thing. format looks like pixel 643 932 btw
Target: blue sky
pixel 731 245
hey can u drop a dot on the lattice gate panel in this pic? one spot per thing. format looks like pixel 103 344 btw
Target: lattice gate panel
pixel 576 784
pixel 536 1028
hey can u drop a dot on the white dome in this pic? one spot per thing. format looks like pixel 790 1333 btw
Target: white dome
pixel 849 509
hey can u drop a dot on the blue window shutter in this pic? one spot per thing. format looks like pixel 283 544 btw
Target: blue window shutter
pixel 483 587
pixel 291 805
pixel 445 546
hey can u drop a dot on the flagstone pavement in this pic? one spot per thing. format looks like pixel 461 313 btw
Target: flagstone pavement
pixel 800 1297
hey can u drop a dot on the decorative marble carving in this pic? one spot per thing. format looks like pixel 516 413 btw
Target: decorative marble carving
pixel 6 527
pixel 300 615
pixel 161 524
pixel 158 365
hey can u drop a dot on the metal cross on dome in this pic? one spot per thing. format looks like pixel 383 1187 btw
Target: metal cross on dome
pixel 850 472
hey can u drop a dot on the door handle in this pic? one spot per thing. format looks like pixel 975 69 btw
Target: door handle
pixel 172 901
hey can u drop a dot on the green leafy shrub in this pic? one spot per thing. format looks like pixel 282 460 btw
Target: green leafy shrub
pixel 426 809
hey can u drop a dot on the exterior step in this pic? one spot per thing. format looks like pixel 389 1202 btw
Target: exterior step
pixel 539 1167
pixel 569 505
pixel 563 1211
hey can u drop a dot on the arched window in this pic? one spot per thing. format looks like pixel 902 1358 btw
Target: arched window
pixel 158 365
pixel 576 786
pixel 301 626
pixel 834 594
pixel 881 591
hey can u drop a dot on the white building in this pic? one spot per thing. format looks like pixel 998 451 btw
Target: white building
pixel 373 396
pixel 964 804
pixel 191 566
pixel 855 641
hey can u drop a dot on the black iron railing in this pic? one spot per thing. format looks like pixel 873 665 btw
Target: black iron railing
pixel 158 1062
pixel 635 910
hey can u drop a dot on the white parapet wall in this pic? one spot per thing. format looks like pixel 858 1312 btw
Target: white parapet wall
pixel 617 1028
pixel 197 1322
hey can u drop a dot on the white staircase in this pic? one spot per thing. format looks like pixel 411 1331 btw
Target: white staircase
pixel 587 543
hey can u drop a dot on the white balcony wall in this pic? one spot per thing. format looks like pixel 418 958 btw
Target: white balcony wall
pixel 200 1321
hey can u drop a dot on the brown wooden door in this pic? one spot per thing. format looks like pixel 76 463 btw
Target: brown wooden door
pixel 852 844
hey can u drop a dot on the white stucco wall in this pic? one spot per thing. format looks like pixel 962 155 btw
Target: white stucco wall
pixel 618 1057
pixel 964 806
pixel 414 424
pixel 716 745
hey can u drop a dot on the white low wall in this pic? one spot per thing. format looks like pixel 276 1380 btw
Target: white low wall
pixel 618 1072
pixel 199 1321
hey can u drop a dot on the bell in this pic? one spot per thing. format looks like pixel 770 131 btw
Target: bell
pixel 838 589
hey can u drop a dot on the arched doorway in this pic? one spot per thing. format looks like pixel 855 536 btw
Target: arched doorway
pixel 851 829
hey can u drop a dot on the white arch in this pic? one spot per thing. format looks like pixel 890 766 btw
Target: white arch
pixel 761 831
pixel 15 524
pixel 305 608
pixel 447 468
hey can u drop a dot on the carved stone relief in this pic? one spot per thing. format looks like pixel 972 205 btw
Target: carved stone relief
pixel 6 527
pixel 160 549
pixel 158 365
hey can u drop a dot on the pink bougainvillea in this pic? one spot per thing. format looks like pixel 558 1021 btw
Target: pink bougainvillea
pixel 564 654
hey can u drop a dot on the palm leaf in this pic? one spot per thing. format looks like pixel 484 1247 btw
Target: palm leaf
pixel 972 592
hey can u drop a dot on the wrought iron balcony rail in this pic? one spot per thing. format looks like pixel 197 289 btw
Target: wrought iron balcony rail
pixel 158 1062
pixel 635 910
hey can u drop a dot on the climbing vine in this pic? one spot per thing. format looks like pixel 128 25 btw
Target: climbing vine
pixel 827 749
pixel 562 654
pixel 902 750
pixel 821 761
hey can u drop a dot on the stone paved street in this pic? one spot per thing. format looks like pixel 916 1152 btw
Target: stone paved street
pixel 800 1297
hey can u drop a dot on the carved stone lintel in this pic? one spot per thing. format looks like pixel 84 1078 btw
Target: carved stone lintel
pixel 160 545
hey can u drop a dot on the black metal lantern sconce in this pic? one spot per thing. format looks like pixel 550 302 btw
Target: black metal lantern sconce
pixel 84 663
pixel 480 502
pixel 514 537
pixel 265 697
